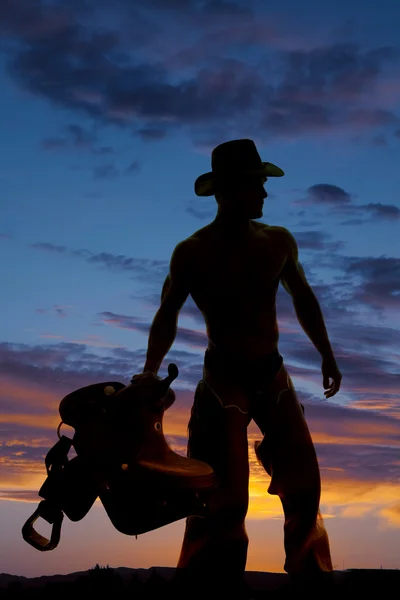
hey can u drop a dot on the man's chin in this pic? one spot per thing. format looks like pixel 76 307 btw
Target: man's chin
pixel 256 214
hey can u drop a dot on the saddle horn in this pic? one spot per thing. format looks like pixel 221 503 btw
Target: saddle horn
pixel 173 373
pixel 166 393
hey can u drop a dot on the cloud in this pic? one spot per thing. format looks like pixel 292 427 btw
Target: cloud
pixel 392 513
pixel 353 426
pixel 80 136
pixel 134 167
pixel 369 380
pixel 108 171
pixel 33 20
pixel 366 349
pixel 48 247
pixel 357 444
pixel 146 270
pixel 382 211
pixel 62 366
pixel 56 310
pixel 343 70
pixel 326 193
pixel 341 202
pixel 317 240
pixel 380 281
pixel 129 70
pixel 151 134
pixel 194 339
pixel 379 140
pixel 151 301
pixel 374 213
pixel 361 286
pixel 201 210
pixel 357 449
pixel 75 137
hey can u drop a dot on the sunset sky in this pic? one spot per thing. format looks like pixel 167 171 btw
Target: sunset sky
pixel 110 110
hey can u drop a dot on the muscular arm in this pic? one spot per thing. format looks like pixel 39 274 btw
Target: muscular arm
pixel 305 302
pixel 174 294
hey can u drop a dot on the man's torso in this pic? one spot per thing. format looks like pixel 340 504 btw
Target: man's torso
pixel 234 285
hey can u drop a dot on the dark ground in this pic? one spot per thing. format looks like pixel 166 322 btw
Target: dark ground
pixel 158 582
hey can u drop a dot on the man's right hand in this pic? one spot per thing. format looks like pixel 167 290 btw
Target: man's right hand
pixel 330 371
pixel 145 374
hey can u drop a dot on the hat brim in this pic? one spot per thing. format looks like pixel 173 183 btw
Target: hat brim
pixel 204 184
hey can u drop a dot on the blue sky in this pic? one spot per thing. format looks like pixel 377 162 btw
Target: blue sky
pixel 110 112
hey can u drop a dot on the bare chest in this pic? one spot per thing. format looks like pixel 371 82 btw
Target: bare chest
pixel 246 272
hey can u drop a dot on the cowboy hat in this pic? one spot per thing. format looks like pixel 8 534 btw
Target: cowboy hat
pixel 231 160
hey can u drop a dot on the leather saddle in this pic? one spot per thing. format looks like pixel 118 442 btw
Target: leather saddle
pixel 122 458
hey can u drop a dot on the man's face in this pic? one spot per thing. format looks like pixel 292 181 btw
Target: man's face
pixel 246 197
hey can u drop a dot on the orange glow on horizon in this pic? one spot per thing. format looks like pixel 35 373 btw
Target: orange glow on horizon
pixel 343 498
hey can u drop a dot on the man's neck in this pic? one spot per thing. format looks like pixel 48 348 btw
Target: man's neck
pixel 232 226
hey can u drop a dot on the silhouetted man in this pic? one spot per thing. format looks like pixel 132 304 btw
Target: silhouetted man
pixel 232 268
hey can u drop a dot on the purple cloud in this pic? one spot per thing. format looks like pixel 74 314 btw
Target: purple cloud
pixel 92 71
pixel 380 285
pixel 382 211
pixel 340 202
pixel 195 339
pixel 352 444
pixel 147 270
pixel 326 193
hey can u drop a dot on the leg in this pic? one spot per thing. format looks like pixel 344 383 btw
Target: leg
pixel 288 455
pixel 216 546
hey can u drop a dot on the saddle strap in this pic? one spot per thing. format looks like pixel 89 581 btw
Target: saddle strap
pixel 49 508
pixel 57 456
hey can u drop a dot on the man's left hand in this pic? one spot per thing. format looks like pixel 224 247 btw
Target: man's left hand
pixel 330 371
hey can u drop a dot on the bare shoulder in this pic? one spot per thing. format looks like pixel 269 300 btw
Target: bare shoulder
pixel 282 237
pixel 186 250
pixel 202 234
pixel 276 233
pixel 182 251
pixel 198 242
